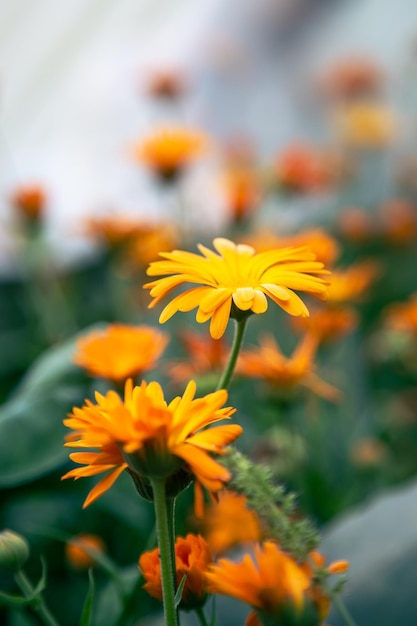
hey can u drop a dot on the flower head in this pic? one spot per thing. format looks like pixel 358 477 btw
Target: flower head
pixel 120 351
pixel 80 550
pixel 169 150
pixel 328 323
pixel 29 201
pixel 352 283
pixel 166 83
pixel 282 373
pixel 351 77
pixel 192 558
pixel 304 169
pixel 366 125
pixel 149 437
pixel 114 231
pixel 235 277
pixel 242 192
pixel 403 316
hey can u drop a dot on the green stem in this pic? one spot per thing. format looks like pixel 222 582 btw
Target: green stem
pixel 38 604
pixel 225 379
pixel 201 616
pixel 163 533
pixel 171 526
pixel 340 606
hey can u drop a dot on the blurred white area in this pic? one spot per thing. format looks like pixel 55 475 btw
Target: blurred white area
pixel 71 85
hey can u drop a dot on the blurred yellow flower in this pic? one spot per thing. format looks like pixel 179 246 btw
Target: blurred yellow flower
pixel 80 550
pixel 352 283
pixel 168 150
pixel 282 373
pixel 192 558
pixel 234 281
pixel 120 351
pixel 366 124
pixel 149 437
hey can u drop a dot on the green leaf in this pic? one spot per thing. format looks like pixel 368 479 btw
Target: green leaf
pixel 31 429
pixel 7 599
pixel 87 612
pixel 178 594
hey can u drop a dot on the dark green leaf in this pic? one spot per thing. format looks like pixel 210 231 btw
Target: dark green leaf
pixel 87 613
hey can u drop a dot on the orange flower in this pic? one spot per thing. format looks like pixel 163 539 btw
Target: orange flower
pixel 304 169
pixel 403 316
pixel 351 283
pixel 269 582
pixel 168 83
pixel 149 437
pixel 228 523
pixel 29 201
pixel 150 241
pixel 267 362
pixel 80 550
pixel 192 558
pixel 356 225
pixel 242 191
pixel 317 240
pixel 399 221
pixel 365 125
pixel 328 323
pixel 167 151
pixel 317 570
pixel 120 351
pixel 114 230
pixel 351 77
pixel 205 355
pixel 237 277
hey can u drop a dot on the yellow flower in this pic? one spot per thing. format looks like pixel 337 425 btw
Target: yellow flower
pixel 192 558
pixel 236 276
pixel 366 124
pixel 282 373
pixel 79 550
pixel 168 150
pixel 268 582
pixel 149 437
pixel 120 351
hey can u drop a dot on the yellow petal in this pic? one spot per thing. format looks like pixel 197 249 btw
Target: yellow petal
pixel 220 319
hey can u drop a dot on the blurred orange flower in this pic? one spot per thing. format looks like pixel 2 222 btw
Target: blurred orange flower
pixel 327 323
pixel 356 225
pixel 114 230
pixel 242 191
pixel 303 169
pixel 192 558
pixel 150 241
pixel 399 221
pixel 168 151
pixel 352 283
pixel 237 277
pixel 268 362
pixel 29 201
pixel 168 83
pixel 316 562
pixel 149 437
pixel 268 581
pixel 204 355
pixel 228 523
pixel 403 316
pixel 366 124
pixel 351 77
pixel 80 550
pixel 120 351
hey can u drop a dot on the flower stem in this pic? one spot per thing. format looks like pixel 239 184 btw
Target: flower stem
pixel 38 605
pixel 201 616
pixel 226 377
pixel 340 606
pixel 164 535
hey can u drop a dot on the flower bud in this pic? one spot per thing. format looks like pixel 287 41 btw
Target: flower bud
pixel 14 551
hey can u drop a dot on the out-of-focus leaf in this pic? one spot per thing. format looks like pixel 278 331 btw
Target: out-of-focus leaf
pixel 31 428
pixel 380 542
pixel 87 613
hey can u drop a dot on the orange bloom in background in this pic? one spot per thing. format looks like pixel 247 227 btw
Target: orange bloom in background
pixel 237 277
pixel 228 523
pixel 304 169
pixel 169 84
pixel 29 201
pixel 268 362
pixel 399 221
pixel 149 437
pixel 365 124
pixel 356 225
pixel 368 452
pixel 268 581
pixel 150 241
pixel 328 323
pixel 80 550
pixel 351 77
pixel 192 558
pixel 353 282
pixel 168 151
pixel 318 595
pixel 403 316
pixel 242 191
pixel 205 355
pixel 120 351
pixel 113 230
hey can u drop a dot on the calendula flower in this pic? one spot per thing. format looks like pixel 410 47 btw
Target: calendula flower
pixel 120 351
pixel 398 221
pixel 152 239
pixel 192 558
pixel 366 125
pixel 303 169
pixel 403 316
pixel 268 363
pixel 169 150
pixel 29 201
pixel 356 225
pixel 229 522
pixel 169 84
pixel 149 437
pixel 351 77
pixel 242 192
pixel 79 550
pixel 114 231
pixel 205 355
pixel 235 281
pixel 271 582
pixel 351 283
pixel 323 245
pixel 328 323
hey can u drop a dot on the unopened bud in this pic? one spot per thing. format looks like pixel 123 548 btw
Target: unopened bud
pixel 14 551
